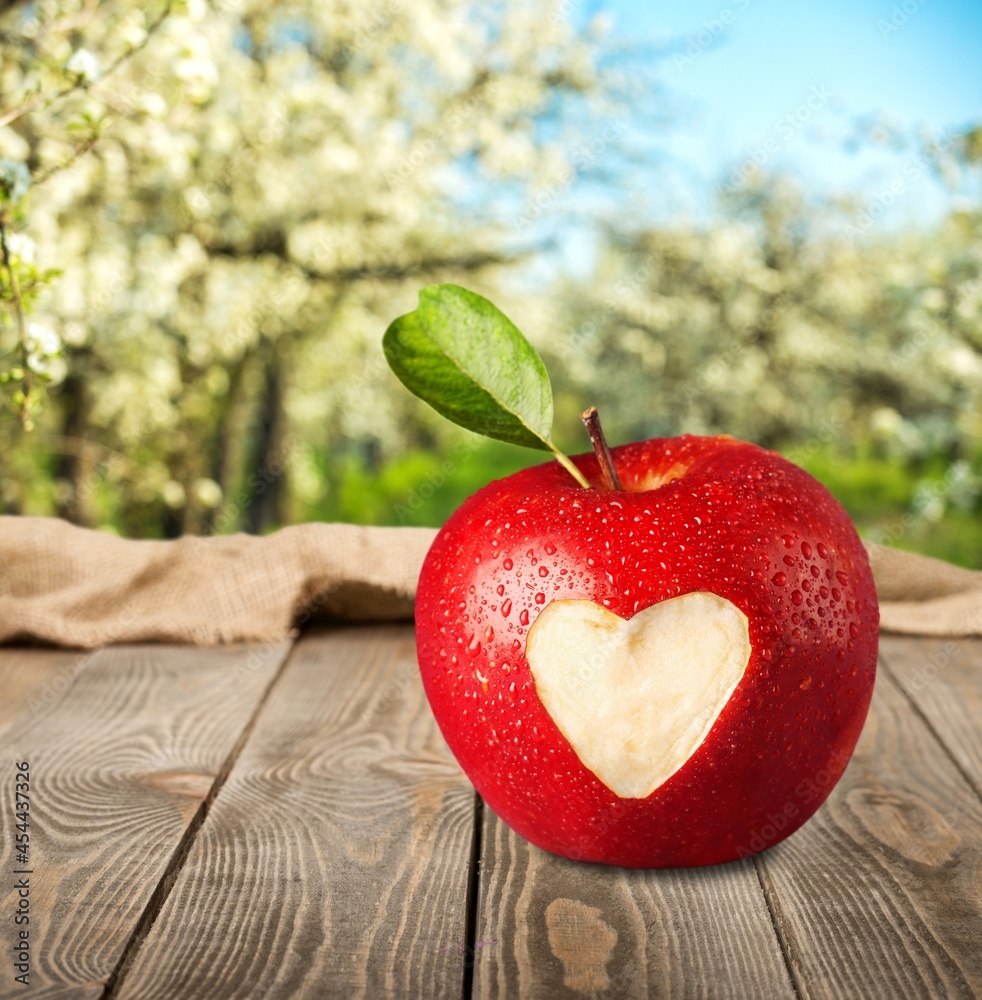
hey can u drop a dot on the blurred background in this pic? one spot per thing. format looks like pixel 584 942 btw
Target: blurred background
pixel 754 218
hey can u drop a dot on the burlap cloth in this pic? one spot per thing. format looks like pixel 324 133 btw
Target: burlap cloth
pixel 74 587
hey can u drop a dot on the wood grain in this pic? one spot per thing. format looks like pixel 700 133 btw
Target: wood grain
pixel 123 745
pixel 334 862
pixel 878 894
pixel 32 679
pixel 943 678
pixel 552 928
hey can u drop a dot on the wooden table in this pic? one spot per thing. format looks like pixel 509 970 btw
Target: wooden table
pixel 287 822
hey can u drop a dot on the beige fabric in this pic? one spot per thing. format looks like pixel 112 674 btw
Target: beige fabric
pixel 923 596
pixel 75 587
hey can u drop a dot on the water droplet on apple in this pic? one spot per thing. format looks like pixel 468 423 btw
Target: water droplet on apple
pixel 550 548
pixel 788 561
pixel 788 541
pixel 806 683
pixel 506 607
pixel 516 646
pixel 806 550
pixel 507 563
pixel 523 618
pixel 779 579
pixel 500 590
pixel 853 629
pixel 796 597
pixel 841 577
pixel 540 598
pixel 488 634
pixel 543 571
pixel 841 655
pixel 823 551
pixel 474 645
pixel 815 571
pixel 836 594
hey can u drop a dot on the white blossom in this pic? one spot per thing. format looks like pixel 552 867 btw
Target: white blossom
pixel 21 245
pixel 208 493
pixel 84 65
pixel 41 340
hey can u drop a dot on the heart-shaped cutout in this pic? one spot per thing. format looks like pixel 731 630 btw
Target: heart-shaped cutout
pixel 636 698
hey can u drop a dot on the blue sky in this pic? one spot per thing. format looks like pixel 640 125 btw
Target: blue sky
pixel 733 78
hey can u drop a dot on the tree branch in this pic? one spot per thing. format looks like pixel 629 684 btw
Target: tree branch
pixel 275 243
pixel 38 103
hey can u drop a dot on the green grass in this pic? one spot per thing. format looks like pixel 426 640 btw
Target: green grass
pixel 879 495
pixel 419 488
pixel 957 537
pixel 868 486
pixel 425 488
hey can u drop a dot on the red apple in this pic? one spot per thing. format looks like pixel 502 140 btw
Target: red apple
pixel 670 674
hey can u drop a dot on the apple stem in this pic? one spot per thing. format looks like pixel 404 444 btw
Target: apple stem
pixel 608 472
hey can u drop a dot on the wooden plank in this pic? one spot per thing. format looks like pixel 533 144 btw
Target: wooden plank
pixel 878 894
pixel 550 928
pixel 943 677
pixel 334 862
pixel 31 679
pixel 124 746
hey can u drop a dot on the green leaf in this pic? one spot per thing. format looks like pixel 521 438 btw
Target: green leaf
pixel 462 355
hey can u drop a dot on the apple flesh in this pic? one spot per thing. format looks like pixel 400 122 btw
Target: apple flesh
pixel 636 698
pixel 671 674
